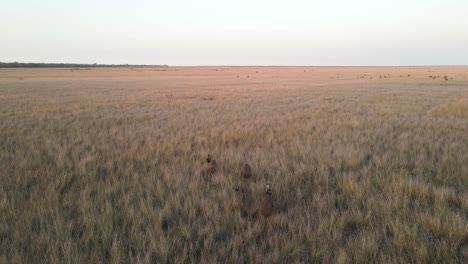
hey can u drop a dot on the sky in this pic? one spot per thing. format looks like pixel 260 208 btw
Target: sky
pixel 237 32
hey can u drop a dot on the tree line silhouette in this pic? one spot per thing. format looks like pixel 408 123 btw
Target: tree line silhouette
pixel 71 65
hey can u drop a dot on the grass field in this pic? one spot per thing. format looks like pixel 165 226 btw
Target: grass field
pixel 103 165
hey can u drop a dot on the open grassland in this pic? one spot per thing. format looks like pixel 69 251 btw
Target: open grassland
pixel 103 165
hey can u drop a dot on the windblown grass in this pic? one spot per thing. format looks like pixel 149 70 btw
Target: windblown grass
pixel 103 165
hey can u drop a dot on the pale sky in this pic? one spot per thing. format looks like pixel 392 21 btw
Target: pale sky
pixel 237 32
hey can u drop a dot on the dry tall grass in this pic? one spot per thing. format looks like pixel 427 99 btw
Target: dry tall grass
pixel 104 165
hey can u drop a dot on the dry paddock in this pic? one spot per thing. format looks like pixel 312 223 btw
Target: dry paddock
pixel 103 165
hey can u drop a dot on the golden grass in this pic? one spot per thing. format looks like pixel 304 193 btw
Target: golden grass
pixel 455 107
pixel 104 165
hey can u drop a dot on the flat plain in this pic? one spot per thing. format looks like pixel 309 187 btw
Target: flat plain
pixel 366 164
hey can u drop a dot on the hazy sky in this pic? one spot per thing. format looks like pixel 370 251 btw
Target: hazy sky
pixel 237 32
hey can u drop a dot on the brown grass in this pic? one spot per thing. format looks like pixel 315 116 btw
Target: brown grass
pixel 104 165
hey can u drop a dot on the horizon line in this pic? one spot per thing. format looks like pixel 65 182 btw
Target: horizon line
pixel 226 65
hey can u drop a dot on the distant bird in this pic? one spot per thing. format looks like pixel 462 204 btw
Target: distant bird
pixel 238 200
pixel 210 166
pixel 266 204
pixel 246 171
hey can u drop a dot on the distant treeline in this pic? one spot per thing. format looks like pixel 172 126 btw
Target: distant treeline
pixel 70 65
